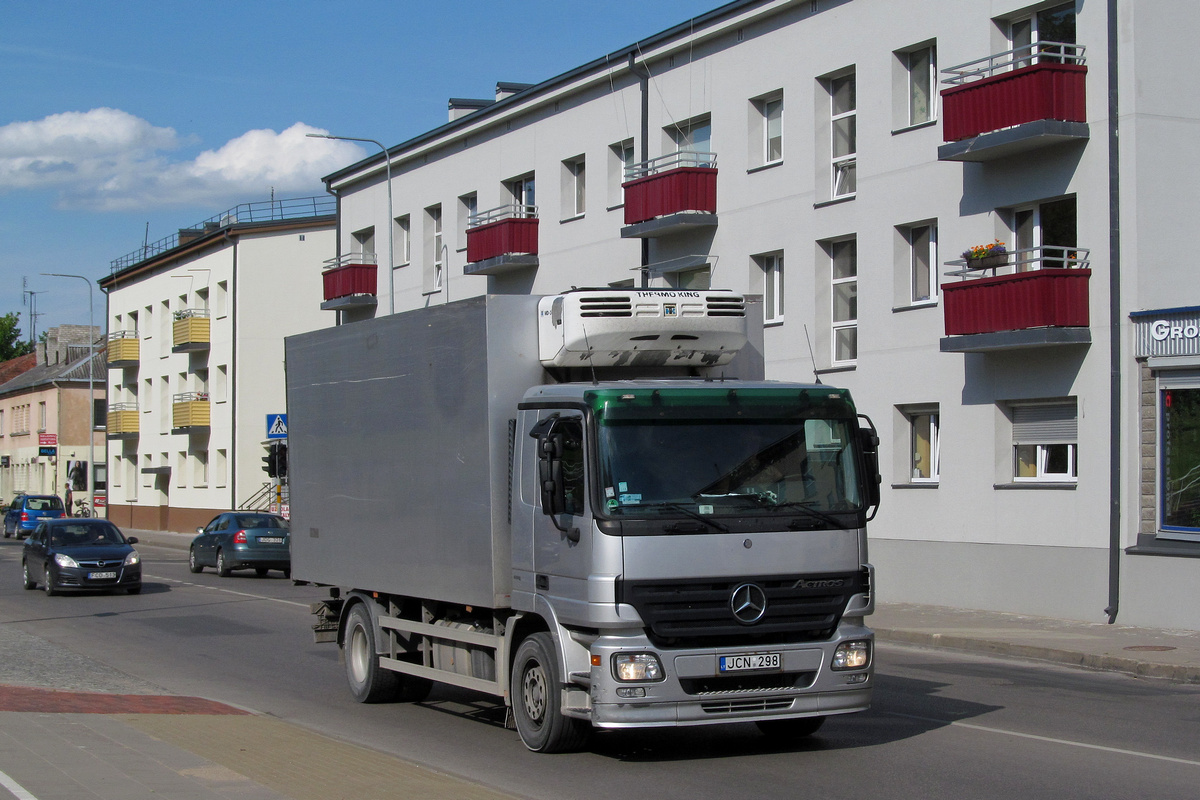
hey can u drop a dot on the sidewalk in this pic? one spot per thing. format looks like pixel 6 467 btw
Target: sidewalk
pixel 1145 652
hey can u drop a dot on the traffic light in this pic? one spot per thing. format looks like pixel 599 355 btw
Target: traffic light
pixel 281 459
pixel 270 465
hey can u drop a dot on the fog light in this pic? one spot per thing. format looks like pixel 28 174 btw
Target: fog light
pixel 858 677
pixel 637 667
pixel 631 691
pixel 852 655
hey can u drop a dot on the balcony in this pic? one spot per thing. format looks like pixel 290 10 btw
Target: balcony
pixel 1012 102
pixel 191 331
pixel 502 240
pixel 123 421
pixel 190 412
pixel 350 281
pixel 670 194
pixel 124 349
pixel 1034 297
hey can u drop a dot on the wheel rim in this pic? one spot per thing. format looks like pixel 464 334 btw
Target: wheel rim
pixel 533 691
pixel 356 655
pixel 25 573
pixel 220 562
pixel 191 558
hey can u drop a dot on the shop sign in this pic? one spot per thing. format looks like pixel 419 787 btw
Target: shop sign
pixel 1170 332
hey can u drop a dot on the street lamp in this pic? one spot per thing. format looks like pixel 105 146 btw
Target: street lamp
pixel 91 480
pixel 390 222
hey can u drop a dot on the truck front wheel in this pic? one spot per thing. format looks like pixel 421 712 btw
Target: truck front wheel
pixel 369 683
pixel 536 700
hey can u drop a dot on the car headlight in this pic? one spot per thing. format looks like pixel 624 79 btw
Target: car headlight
pixel 637 667
pixel 64 560
pixel 132 558
pixel 852 655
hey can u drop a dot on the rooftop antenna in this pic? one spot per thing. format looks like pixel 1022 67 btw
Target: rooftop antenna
pixel 33 313
pixel 813 358
pixel 591 354
pixel 146 240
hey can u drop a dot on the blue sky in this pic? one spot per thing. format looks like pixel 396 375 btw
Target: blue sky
pixel 118 116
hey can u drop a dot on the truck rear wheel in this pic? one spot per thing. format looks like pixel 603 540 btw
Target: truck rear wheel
pixel 796 728
pixel 369 682
pixel 536 700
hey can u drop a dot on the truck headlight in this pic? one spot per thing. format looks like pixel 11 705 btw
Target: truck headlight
pixel 64 560
pixel 637 667
pixel 852 655
pixel 132 558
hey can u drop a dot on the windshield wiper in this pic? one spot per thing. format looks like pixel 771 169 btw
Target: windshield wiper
pixel 675 527
pixel 766 500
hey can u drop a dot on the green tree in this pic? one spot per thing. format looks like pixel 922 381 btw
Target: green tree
pixel 11 344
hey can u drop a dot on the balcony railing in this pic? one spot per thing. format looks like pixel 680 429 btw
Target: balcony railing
pixel 1033 287
pixel 672 184
pixel 1042 81
pixel 124 349
pixel 501 232
pixel 351 279
pixel 190 410
pixel 191 330
pixel 122 420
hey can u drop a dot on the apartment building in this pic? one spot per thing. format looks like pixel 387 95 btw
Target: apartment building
pixel 858 164
pixel 196 323
pixel 52 418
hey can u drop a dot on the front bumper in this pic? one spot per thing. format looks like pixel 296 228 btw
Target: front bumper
pixel 694 692
pixel 79 578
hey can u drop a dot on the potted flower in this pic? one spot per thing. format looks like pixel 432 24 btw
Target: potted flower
pixel 986 256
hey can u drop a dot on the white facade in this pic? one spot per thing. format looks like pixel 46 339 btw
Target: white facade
pixel 188 403
pixel 978 511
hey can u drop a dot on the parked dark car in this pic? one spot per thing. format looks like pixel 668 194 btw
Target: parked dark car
pixel 27 509
pixel 81 554
pixel 242 540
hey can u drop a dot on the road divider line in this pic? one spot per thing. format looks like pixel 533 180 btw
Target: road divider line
pixel 227 591
pixel 17 790
pixel 1052 740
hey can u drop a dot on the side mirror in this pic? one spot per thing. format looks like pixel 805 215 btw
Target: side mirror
pixel 131 539
pixel 199 530
pixel 550 473
pixel 872 481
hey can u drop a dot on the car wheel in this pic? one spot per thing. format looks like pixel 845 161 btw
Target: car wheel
pixel 261 571
pixel 30 583
pixel 193 565
pixel 47 584
pixel 369 682
pixel 222 568
pixel 797 728
pixel 536 700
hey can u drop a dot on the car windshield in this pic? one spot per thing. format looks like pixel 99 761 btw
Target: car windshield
pixel 85 533
pixel 261 521
pixel 43 504
pixel 733 454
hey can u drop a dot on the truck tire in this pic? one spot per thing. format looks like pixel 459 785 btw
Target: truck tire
pixel 536 700
pixel 369 682
pixel 797 728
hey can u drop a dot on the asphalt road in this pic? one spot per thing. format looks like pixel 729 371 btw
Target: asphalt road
pixel 944 725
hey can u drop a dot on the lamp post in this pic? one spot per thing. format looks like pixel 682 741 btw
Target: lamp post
pixel 390 222
pixel 90 488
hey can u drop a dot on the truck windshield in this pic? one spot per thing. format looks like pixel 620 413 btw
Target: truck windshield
pixel 750 452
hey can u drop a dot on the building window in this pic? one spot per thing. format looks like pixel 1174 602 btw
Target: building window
pixel 919 66
pixel 771 267
pixel 1043 37
pixel 403 235
pixel 843 110
pixel 200 468
pixel 574 187
pixel 221 469
pixel 766 130
pixel 1046 235
pixel 620 158
pixel 924 448
pixel 434 256
pixel 221 300
pixel 843 259
pixel 100 411
pixel 1179 460
pixel 362 244
pixel 42 416
pixel 523 191
pixel 180 469
pixel 693 136
pixel 468 208
pixel 1045 441
pixel 692 279
pixel 100 477
pixel 919 262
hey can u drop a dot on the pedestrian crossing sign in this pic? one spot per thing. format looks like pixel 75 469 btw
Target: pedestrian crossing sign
pixel 276 426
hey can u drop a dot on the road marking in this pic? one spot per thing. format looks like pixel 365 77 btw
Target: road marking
pixel 227 591
pixel 18 791
pixel 1052 740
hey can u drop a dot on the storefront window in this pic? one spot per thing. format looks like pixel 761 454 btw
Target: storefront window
pixel 1180 441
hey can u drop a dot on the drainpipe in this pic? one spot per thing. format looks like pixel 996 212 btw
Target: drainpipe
pixel 1114 323
pixel 643 76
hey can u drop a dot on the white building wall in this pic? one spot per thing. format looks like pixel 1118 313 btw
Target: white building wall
pixel 972 539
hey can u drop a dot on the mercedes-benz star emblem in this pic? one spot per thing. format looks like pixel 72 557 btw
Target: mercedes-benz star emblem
pixel 748 603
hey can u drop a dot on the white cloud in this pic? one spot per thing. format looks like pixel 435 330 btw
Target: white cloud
pixel 107 159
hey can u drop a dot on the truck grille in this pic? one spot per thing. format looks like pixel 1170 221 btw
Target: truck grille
pixel 685 613
pixel 717 685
